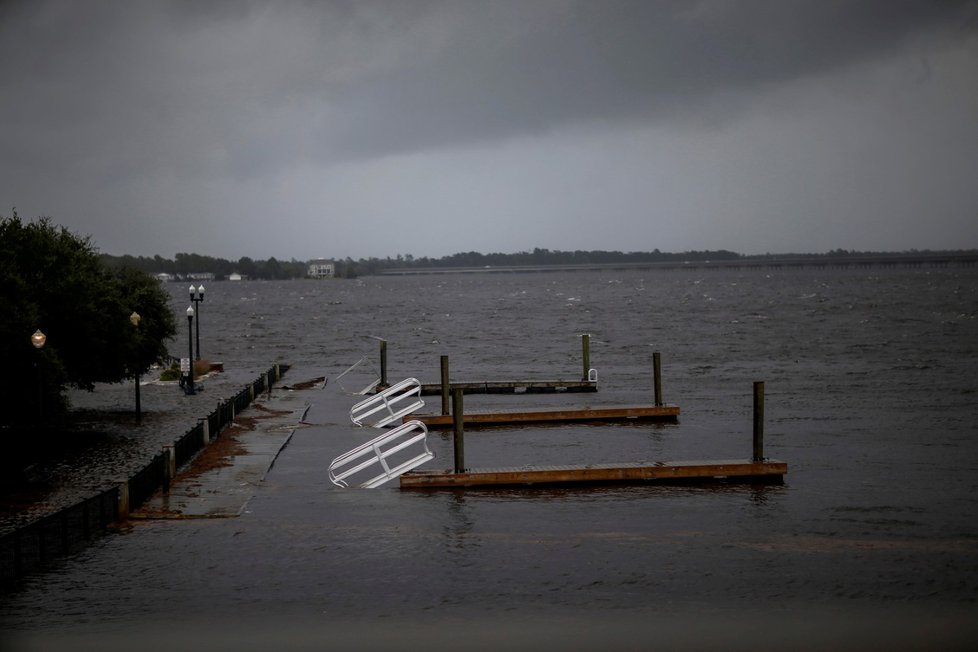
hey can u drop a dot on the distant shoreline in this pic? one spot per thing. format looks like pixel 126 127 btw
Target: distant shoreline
pixel 761 262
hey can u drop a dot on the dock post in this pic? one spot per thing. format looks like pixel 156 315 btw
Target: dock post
pixel 657 377
pixel 586 354
pixel 383 364
pixel 758 421
pixel 444 384
pixel 459 434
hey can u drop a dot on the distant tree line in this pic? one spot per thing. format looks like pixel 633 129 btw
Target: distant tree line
pixel 185 264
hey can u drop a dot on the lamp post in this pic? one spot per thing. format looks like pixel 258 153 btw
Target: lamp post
pixel 196 296
pixel 190 341
pixel 38 339
pixel 134 319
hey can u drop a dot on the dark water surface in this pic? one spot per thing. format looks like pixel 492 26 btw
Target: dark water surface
pixel 871 388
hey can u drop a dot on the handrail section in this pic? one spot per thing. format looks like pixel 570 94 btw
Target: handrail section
pixel 378 451
pixel 389 402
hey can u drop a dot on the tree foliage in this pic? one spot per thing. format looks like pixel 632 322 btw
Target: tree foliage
pixel 54 281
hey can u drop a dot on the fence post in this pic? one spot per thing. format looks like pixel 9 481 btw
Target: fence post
pixel 123 509
pixel 169 465
pixel 383 365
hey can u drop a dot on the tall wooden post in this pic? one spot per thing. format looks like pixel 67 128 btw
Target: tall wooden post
pixel 383 364
pixel 657 376
pixel 758 421
pixel 586 354
pixel 459 434
pixel 444 384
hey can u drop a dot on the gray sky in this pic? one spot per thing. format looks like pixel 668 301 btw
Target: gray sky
pixel 376 128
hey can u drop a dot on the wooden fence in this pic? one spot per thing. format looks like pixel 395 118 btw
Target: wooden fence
pixel 34 545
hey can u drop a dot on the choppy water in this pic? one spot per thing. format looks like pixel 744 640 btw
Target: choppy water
pixel 871 389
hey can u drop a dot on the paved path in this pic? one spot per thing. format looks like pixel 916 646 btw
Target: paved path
pixel 221 479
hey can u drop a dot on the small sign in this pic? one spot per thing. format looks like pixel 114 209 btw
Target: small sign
pixel 185 365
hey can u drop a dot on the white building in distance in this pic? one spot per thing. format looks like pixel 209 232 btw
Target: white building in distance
pixel 320 268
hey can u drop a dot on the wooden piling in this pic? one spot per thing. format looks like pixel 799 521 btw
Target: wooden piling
pixel 758 421
pixel 383 363
pixel 657 376
pixel 444 384
pixel 586 354
pixel 459 434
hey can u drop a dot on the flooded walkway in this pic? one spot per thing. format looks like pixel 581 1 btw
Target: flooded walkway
pixel 262 550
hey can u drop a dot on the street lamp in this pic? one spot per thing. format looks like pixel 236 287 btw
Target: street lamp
pixel 38 339
pixel 196 296
pixel 134 319
pixel 190 340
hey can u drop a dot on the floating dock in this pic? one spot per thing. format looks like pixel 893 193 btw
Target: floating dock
pixel 619 413
pixel 587 383
pixel 516 387
pixel 728 471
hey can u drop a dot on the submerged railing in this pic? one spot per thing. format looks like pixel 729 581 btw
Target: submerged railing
pixel 389 405
pixel 379 452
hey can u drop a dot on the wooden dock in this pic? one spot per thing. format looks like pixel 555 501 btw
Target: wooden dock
pixel 619 413
pixel 727 471
pixel 516 387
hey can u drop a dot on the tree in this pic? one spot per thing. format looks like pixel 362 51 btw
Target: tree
pixel 53 281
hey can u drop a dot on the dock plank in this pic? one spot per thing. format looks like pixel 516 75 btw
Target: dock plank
pixel 625 472
pixel 614 413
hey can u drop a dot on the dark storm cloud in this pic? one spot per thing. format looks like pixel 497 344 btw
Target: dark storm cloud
pixel 625 61
pixel 167 118
pixel 242 86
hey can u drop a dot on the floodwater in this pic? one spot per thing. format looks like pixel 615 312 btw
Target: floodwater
pixel 872 540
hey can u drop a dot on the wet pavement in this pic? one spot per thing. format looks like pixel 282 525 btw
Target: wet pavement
pixel 223 477
pixel 112 445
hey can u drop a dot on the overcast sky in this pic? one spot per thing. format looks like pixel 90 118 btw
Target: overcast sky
pixel 377 128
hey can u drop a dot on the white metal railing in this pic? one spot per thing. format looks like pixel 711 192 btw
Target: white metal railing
pixel 392 403
pixel 379 451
